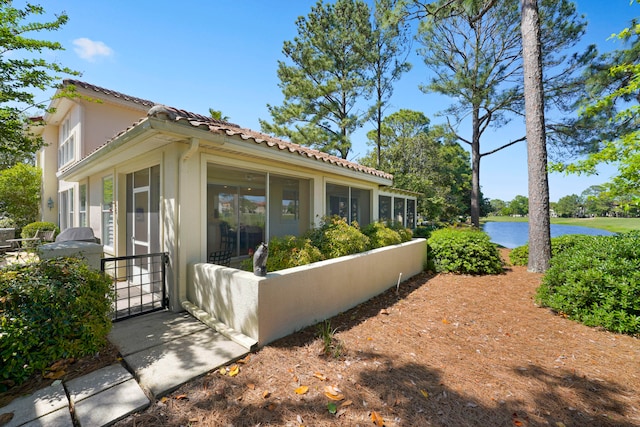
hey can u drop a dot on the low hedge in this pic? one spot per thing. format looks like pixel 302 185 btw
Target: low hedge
pixel 597 282
pixel 333 238
pixel 50 310
pixel 520 255
pixel 463 250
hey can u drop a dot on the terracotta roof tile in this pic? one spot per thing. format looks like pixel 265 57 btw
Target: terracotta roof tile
pixel 108 92
pixel 230 129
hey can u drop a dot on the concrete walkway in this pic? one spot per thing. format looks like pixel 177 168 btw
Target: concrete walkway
pixel 163 351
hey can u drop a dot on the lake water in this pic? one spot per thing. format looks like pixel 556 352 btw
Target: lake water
pixel 514 234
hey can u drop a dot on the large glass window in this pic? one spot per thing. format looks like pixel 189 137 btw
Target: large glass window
pixel 107 211
pixel 67 146
pixel 398 210
pixel 289 206
pixel 236 210
pixel 354 204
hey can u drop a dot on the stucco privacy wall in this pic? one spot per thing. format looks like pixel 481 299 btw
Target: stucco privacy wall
pixel 268 308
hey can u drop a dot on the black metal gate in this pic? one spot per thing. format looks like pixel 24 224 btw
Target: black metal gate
pixel 139 283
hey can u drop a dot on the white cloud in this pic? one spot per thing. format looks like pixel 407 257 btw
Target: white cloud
pixel 90 50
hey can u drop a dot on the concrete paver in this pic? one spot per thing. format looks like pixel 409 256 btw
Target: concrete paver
pixel 111 405
pixel 164 350
pixel 37 405
pixel 164 368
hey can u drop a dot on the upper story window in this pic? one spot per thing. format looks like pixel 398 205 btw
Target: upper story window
pixel 67 146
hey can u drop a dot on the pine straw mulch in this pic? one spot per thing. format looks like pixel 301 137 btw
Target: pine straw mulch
pixel 447 350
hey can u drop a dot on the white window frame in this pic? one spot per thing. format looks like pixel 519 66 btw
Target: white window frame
pixel 82 205
pixel 67 147
pixel 107 213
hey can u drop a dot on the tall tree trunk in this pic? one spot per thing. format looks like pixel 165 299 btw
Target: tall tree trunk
pixel 539 234
pixel 475 168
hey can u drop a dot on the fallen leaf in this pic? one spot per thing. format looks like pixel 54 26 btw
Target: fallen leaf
pixel 245 360
pixel 272 406
pixel 266 394
pixel 319 376
pixel 164 399
pixel 5 418
pixel 332 408
pixel 445 321
pixel 54 375
pixel 303 389
pixel 222 371
pixel 181 397
pixel 346 403
pixel 560 424
pixel 384 311
pixel 295 378
pixel 235 369
pixel 333 393
pixel 517 423
pixel 194 420
pixel 424 393
pixel 377 419
pixel 251 386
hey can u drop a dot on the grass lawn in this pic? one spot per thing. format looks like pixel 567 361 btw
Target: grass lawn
pixel 615 225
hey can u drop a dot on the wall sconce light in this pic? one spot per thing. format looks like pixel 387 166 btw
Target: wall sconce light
pixel 50 203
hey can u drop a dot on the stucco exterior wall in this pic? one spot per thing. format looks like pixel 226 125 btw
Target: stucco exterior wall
pixel 271 307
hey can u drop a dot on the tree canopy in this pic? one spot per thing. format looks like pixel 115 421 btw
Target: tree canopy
pixel 23 71
pixel 20 193
pixel 324 77
pixel 614 99
pixel 425 160
pixel 474 50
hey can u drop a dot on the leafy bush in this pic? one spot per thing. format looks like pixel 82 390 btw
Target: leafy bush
pixel 597 282
pixel 380 235
pixel 30 230
pixel 405 234
pixel 290 251
pixel 520 255
pixel 52 309
pixel 336 238
pixel 463 250
pixel 7 223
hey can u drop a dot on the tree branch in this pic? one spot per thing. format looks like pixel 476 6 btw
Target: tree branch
pixel 504 146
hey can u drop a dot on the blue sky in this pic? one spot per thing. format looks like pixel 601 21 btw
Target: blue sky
pixel 223 54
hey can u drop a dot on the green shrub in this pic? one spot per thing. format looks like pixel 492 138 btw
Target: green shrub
pixel 597 282
pixel 380 235
pixel 463 250
pixel 520 255
pixel 49 310
pixel 290 251
pixel 405 234
pixel 30 230
pixel 336 238
pixel 7 223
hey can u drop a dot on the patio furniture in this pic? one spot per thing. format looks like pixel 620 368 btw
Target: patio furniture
pixel 220 257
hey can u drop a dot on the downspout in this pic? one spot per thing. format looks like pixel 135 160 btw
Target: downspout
pixel 181 256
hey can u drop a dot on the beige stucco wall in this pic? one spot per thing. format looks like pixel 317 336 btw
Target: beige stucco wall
pixel 271 307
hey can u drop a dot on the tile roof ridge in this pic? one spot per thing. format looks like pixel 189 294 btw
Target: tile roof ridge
pixel 174 114
pixel 108 92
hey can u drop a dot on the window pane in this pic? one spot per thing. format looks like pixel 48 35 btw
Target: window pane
pixel 338 201
pixel 360 206
pixel 384 208
pixel 398 210
pixel 82 209
pixel 289 206
pixel 411 213
pixel 107 211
